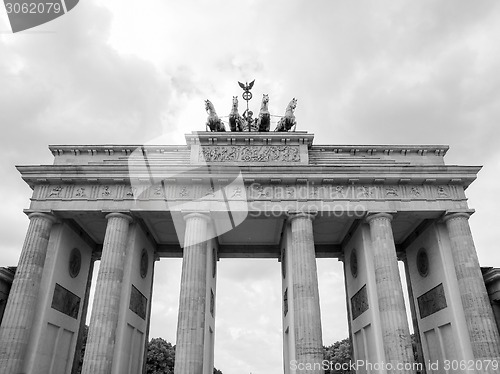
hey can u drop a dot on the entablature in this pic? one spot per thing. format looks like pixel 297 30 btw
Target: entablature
pixel 319 175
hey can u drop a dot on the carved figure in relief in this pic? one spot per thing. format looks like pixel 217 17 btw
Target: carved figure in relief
pixel 415 191
pixel 259 190
pixel 236 121
pixel 264 120
pixel 250 153
pixel 214 123
pixel 391 191
pixel 158 191
pixel 183 192
pixel 106 191
pixel 442 192
pixel 131 191
pixel 236 192
pixel 366 191
pixel 291 154
pixel 80 192
pixel 339 190
pixel 288 121
pixel 56 191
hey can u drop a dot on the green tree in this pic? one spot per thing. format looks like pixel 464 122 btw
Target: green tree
pixel 338 354
pixel 160 357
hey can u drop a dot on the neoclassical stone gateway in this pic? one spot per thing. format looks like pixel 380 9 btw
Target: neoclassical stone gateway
pixel 223 195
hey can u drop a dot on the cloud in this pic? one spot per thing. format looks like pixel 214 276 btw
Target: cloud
pixel 65 84
pixel 363 72
pixel 248 315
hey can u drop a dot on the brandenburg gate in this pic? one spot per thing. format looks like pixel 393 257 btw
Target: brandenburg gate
pixel 247 194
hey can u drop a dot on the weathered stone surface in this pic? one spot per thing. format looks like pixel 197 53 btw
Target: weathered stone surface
pixel 306 309
pixel 280 173
pixel 192 303
pixel 20 309
pixel 102 330
pixel 65 301
pixel 359 303
pixel 271 153
pixel 395 330
pixel 432 301
pixel 138 302
pixel 479 316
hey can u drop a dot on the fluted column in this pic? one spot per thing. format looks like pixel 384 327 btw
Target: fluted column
pixel 394 322
pixel 307 315
pixel 479 316
pixel 192 303
pixel 21 305
pixel 103 322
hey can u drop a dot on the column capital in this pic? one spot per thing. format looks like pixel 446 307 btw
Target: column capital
pixel 119 215
pixel 204 215
pixel 457 214
pixel 401 255
pixel 294 215
pixel 379 215
pixel 47 215
pixel 96 255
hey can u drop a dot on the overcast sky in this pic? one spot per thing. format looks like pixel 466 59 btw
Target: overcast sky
pixel 364 72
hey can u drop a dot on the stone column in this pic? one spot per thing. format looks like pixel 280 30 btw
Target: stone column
pixel 21 305
pixel 304 277
pixel 414 318
pixel 192 301
pixel 479 316
pixel 83 318
pixel 103 322
pixel 394 322
pixel 348 310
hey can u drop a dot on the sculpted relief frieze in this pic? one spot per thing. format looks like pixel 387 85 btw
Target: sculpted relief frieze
pixel 177 190
pixel 265 153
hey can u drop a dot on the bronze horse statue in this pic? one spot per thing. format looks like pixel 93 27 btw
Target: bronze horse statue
pixel 288 121
pixel 214 123
pixel 264 120
pixel 235 120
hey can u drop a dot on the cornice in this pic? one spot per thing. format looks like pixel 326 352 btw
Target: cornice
pixel 347 174
pixel 388 149
pixel 110 149
pixel 249 138
pixel 7 274
pixel 238 139
pixel 491 275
